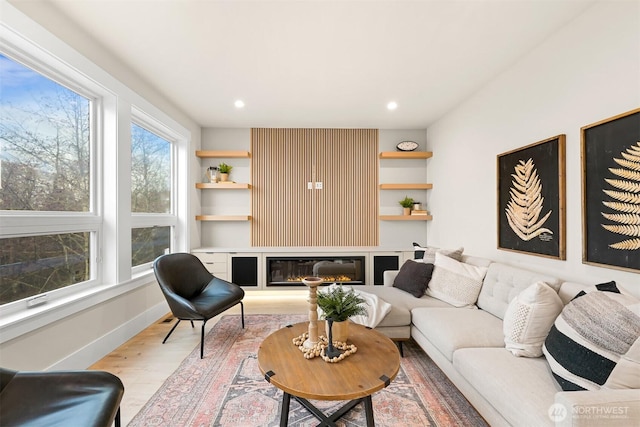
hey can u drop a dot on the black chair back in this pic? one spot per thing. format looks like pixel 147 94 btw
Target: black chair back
pixel 181 274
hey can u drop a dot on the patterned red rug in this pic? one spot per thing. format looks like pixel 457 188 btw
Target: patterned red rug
pixel 226 388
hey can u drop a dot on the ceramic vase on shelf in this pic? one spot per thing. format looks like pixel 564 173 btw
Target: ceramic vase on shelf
pixel 224 177
pixel 406 211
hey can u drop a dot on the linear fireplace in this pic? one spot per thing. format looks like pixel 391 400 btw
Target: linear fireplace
pixel 289 271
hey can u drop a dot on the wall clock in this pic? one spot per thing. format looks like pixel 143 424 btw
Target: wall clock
pixel 407 146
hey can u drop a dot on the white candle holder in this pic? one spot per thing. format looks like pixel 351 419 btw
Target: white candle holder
pixel 312 283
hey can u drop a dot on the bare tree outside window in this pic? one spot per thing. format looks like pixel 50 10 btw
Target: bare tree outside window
pixel 150 192
pixel 149 243
pixel 150 172
pixel 39 264
pixel 45 148
pixel 44 143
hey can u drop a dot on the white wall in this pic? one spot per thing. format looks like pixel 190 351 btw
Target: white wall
pixel 586 72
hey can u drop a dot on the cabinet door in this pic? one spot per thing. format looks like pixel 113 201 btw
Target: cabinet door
pixel 215 262
pixel 244 270
pixel 340 208
pixel 382 263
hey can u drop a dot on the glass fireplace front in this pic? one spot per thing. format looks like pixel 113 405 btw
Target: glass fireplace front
pixel 289 271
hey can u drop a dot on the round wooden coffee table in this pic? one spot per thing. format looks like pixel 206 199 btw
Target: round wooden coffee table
pixel 356 378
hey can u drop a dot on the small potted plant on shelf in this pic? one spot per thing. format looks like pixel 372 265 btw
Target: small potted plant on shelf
pixel 224 170
pixel 339 305
pixel 407 204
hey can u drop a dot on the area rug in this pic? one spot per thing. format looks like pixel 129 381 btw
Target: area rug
pixel 226 388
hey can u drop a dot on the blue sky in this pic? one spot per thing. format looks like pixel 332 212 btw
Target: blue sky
pixel 20 84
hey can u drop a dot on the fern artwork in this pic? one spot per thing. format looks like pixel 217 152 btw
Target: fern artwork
pixel 525 206
pixel 623 213
pixel 531 199
pixel 611 192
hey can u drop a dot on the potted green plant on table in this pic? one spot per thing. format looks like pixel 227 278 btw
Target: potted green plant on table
pixel 224 170
pixel 339 305
pixel 407 204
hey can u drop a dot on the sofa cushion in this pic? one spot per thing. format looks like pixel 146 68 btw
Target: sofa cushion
pixel 521 389
pixel 413 277
pixel 427 254
pixel 503 282
pixel 528 319
pixel 430 254
pixel 590 336
pixel 450 329
pixel 401 304
pixel 455 282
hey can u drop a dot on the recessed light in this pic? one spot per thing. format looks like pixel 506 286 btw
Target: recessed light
pixel 239 103
pixel 392 105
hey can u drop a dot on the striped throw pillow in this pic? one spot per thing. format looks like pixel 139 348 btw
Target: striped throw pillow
pixel 590 336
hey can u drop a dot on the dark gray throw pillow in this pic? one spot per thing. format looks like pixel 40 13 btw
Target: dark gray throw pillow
pixel 413 277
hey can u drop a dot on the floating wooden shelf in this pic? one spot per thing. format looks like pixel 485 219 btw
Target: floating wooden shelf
pixel 406 154
pixel 406 186
pixel 223 217
pixel 229 154
pixel 406 217
pixel 222 185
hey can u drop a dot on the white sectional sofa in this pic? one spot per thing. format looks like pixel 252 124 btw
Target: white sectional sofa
pixel 469 346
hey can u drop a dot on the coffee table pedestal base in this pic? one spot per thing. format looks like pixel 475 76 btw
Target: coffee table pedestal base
pixel 324 420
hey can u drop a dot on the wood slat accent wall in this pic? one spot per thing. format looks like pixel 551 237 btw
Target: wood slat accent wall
pixel 286 213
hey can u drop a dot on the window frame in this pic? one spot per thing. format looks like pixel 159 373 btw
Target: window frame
pixel 20 223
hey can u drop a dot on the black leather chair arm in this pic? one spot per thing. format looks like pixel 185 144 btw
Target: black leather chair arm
pixel 59 398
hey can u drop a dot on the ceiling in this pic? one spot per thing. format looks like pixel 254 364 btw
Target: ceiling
pixel 318 63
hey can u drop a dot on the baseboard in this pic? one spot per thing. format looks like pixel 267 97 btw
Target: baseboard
pixel 96 350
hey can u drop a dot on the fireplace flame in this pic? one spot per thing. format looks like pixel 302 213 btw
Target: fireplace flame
pixel 338 278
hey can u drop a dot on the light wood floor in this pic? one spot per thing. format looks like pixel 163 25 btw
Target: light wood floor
pixel 143 363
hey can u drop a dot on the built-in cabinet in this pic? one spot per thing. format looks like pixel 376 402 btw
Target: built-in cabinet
pixel 226 213
pixel 216 262
pixel 248 268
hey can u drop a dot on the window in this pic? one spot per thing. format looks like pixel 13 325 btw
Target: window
pixel 67 151
pixel 37 264
pixel 149 243
pixel 45 137
pixel 151 195
pixel 46 144
pixel 150 172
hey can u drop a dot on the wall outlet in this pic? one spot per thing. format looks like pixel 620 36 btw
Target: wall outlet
pixel 318 186
pixel 309 185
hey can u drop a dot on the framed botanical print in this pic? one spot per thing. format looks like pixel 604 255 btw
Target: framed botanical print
pixel 531 199
pixel 611 192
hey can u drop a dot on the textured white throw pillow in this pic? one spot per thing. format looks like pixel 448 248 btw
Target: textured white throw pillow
pixel 626 374
pixel 529 318
pixel 455 282
pixel 430 254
